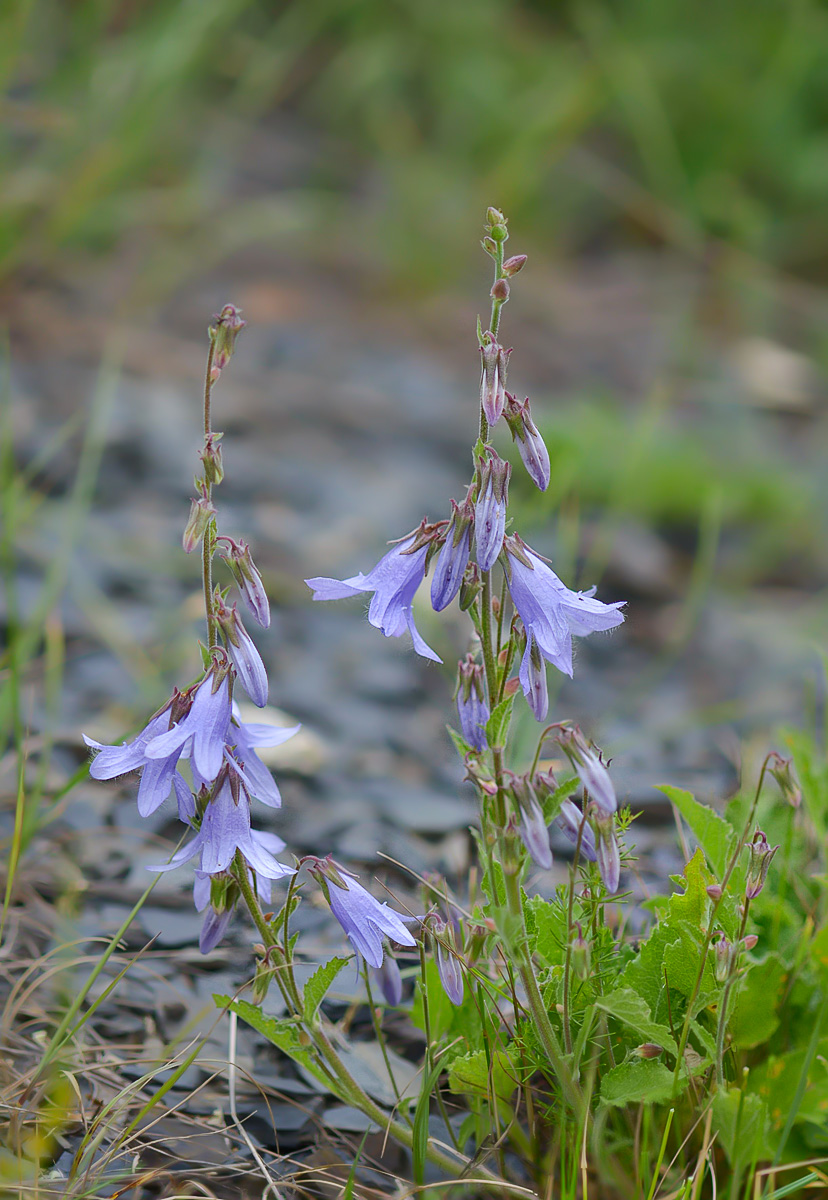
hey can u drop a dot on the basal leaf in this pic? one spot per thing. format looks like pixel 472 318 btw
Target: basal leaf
pixel 740 1120
pixel 639 1081
pixel 630 1008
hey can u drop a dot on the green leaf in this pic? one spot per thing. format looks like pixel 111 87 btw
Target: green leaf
pixel 497 726
pixel 546 929
pixel 284 1034
pixel 713 833
pixel 475 1075
pixel 630 1008
pixel 693 904
pixel 317 986
pixel 462 747
pixel 754 1017
pixel 551 804
pixel 419 1130
pixel 639 1081
pixel 740 1120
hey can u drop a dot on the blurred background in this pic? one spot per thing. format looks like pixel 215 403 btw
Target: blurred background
pixel 327 166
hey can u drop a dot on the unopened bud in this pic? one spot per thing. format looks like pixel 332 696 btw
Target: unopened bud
pixel 514 264
pixel 581 956
pixel 723 951
pixel 531 445
pixel 201 514
pixel 228 326
pixel 211 458
pixel 472 706
pixel 495 217
pixel 500 233
pixel 761 857
pixel 714 891
pixel 750 941
pixel 500 290
pixel 782 771
pixel 470 587
pixel 649 1050
pixel 490 246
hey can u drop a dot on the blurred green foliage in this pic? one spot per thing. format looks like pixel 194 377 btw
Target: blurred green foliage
pixel 587 120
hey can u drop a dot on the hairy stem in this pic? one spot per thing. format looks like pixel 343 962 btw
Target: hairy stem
pixel 209 542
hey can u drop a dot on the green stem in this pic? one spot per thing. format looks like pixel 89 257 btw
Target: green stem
pixel 721 1028
pixel 208 545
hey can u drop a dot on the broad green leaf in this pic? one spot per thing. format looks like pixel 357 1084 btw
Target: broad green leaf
pixel 474 1074
pixel 740 1121
pixel 462 747
pixel 713 833
pixel 284 1034
pixel 497 726
pixel 546 929
pixel 693 904
pixel 639 1081
pixel 317 986
pixel 754 1018
pixel 630 1008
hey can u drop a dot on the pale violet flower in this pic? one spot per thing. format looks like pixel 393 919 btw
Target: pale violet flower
pixel 242 739
pixel 530 444
pixel 590 770
pixel 550 612
pixel 200 734
pixel 158 776
pixel 570 820
pixel 490 511
pixel 389 979
pixel 243 654
pixel 453 557
pixel 472 707
pixel 533 830
pixel 394 581
pixel 365 920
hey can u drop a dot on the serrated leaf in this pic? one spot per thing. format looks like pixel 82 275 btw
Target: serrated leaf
pixel 497 726
pixel 317 986
pixel 462 747
pixel 740 1121
pixel 754 1017
pixel 693 903
pixel 630 1008
pixel 546 929
pixel 639 1081
pixel 282 1033
pixel 713 833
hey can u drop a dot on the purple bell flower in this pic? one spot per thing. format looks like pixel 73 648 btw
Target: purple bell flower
pixel 538 687
pixel 569 821
pixel 200 734
pixel 591 771
pixel 365 920
pixel 448 963
pixel 530 444
pixel 472 707
pixel 243 653
pixel 608 853
pixel 550 612
pixel 225 828
pixel 533 830
pixel 394 580
pixel 247 577
pixel 492 381
pixel 158 777
pixel 453 557
pixel 243 740
pixel 490 511
pixel 390 980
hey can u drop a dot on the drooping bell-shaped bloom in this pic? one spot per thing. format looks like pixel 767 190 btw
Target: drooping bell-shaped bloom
pixel 571 822
pixel 490 511
pixel 550 612
pixel 158 776
pixel 248 580
pixel 453 557
pixel 607 852
pixel 390 980
pixel 535 684
pixel 472 707
pixel 365 920
pixel 200 734
pixel 533 830
pixel 531 445
pixel 590 770
pixel 448 960
pixel 243 739
pixel 225 828
pixel 761 857
pixel 242 652
pixel 394 581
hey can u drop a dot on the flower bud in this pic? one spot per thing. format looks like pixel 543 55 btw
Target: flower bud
pixel 538 694
pixel 470 587
pixel 492 392
pixel 590 770
pixel 248 580
pixel 490 246
pixel 495 217
pixel 228 326
pixel 724 953
pixel 500 233
pixel 532 829
pixel 581 956
pixel 714 891
pixel 531 445
pixel 490 510
pixel 750 941
pixel 500 290
pixel 472 708
pixel 649 1050
pixel 453 557
pixel 782 771
pixel 761 857
pixel 607 852
pixel 201 514
pixel 514 264
pixel 211 458
pixel 448 961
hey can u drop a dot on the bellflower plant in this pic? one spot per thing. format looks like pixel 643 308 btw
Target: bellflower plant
pixel 365 920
